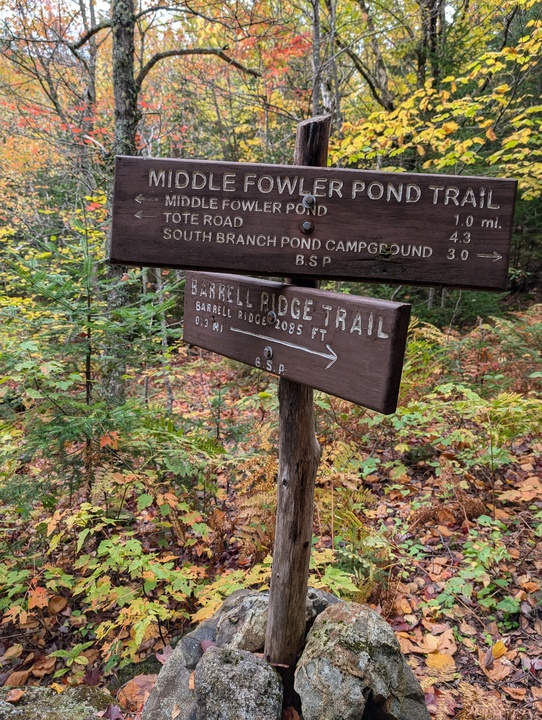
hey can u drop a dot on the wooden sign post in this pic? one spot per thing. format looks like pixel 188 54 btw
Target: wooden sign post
pixel 299 456
pixel 307 221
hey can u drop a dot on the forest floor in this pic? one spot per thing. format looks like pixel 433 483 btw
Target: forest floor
pixel 431 516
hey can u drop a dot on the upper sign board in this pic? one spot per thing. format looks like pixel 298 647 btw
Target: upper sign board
pixel 319 222
pixel 346 345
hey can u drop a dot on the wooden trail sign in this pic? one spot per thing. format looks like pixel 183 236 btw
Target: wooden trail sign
pixel 312 221
pixel 346 345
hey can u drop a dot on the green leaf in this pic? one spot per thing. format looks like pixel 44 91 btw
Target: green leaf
pixel 144 501
pixel 508 605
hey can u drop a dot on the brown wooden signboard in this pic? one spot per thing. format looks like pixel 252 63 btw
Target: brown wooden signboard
pixel 310 221
pixel 345 345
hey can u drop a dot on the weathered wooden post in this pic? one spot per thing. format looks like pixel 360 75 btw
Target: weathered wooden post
pixel 299 455
pixel 307 222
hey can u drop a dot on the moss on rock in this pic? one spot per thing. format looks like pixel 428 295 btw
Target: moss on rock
pixel 38 703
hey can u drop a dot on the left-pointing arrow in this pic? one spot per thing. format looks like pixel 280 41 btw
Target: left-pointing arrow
pixel 331 355
pixel 141 198
pixel 140 215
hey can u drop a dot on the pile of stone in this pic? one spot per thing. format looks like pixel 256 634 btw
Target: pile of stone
pixel 351 667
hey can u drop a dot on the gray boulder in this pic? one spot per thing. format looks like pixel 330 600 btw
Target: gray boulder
pixel 242 620
pixel 39 703
pixel 352 667
pixel 233 684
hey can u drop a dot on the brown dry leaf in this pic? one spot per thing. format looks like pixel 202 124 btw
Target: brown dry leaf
pixel 447 642
pixel 406 645
pixel 132 695
pixel 445 531
pixel 445 516
pixel 175 712
pixel 434 627
pixel 17 678
pixel 14 696
pixel 517 693
pixel 497 671
pixel 290 713
pixel 402 606
pixel 57 604
pixel 467 629
pixel 43 666
pixel 440 661
pixel 191 684
pixel 430 643
pixel 28 621
pixel 499 649
pixel 470 644
pixel 537 695
pixel 14 651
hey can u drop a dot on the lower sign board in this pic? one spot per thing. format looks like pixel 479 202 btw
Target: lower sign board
pixel 319 222
pixel 345 345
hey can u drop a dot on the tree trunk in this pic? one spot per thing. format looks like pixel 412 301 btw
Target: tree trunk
pixel 125 90
pixel 126 119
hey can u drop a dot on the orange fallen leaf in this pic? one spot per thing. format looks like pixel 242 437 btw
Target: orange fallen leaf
pixel 43 666
pixel 110 439
pixel 57 604
pixel 406 645
pixel 440 661
pixel 537 695
pixel 38 598
pixel 430 643
pixel 176 711
pixel 495 671
pixel 133 695
pixel 17 678
pixel 435 628
pixel 447 642
pixel 498 649
pixel 191 684
pixel 14 696
pixel 402 606
pixel 516 693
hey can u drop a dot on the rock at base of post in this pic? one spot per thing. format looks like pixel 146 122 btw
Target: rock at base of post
pixel 351 667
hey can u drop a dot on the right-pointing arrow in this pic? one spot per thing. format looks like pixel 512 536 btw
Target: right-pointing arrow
pixel 331 355
pixel 494 256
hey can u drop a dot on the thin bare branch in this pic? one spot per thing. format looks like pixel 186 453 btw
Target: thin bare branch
pixel 191 51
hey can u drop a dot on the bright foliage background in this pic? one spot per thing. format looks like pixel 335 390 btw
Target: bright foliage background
pixel 124 521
